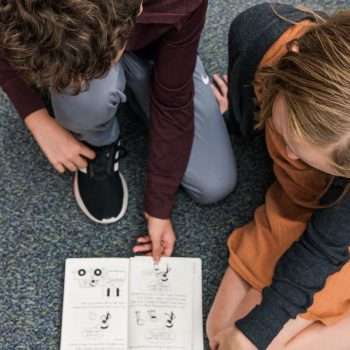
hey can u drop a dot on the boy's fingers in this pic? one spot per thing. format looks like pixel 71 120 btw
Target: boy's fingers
pixel 143 248
pixel 221 84
pixel 217 93
pixel 214 88
pixel 87 152
pixel 169 247
pixel 168 251
pixel 81 163
pixel 144 239
pixel 225 78
pixel 70 166
pixel 60 168
pixel 157 249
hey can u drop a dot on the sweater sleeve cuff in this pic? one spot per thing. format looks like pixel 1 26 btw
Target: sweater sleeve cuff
pixel 25 99
pixel 264 322
pixel 157 206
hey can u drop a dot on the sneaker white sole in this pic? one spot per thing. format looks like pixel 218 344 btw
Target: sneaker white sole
pixel 89 215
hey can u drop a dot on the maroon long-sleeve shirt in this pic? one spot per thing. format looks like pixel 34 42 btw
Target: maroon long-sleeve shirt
pixel 170 29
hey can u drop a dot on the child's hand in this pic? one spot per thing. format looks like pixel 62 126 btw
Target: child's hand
pixel 160 241
pixel 143 246
pixel 230 339
pixel 61 148
pixel 220 89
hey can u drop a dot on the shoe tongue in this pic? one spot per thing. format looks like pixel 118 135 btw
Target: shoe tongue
pixel 103 165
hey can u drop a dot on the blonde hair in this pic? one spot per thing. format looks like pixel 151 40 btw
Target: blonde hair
pixel 315 82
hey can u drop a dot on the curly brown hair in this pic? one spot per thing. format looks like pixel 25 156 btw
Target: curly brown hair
pixel 66 43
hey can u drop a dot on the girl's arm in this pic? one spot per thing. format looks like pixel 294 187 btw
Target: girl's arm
pixel 301 272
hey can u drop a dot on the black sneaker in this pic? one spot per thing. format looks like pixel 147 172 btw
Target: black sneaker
pixel 101 190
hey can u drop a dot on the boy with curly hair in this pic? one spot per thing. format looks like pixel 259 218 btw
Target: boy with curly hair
pixel 87 54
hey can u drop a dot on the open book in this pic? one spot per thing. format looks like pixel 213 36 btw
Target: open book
pixel 122 304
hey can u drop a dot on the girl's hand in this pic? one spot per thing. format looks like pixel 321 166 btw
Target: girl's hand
pixel 220 89
pixel 160 240
pixel 231 339
pixel 61 148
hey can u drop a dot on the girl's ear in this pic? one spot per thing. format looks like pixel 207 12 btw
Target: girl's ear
pixel 290 154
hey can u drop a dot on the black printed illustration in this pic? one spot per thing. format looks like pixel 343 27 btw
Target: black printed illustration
pixel 110 292
pixel 152 318
pixel 97 324
pixel 159 276
pixel 170 320
pixel 89 278
pixel 111 281
pixel 152 315
pixel 156 268
pixel 164 276
pixel 105 321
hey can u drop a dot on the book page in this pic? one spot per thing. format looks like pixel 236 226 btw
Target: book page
pixel 95 306
pixel 198 336
pixel 161 304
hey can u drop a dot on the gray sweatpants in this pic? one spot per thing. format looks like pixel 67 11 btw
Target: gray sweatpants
pixel 91 115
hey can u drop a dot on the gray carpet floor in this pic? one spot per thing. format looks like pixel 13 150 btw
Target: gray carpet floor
pixel 40 225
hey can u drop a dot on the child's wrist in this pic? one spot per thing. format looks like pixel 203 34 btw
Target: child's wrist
pixel 37 118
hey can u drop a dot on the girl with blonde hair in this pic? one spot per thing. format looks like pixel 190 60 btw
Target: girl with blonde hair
pixel 288 281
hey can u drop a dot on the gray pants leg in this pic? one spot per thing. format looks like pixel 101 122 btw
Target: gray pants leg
pixel 211 172
pixel 90 115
